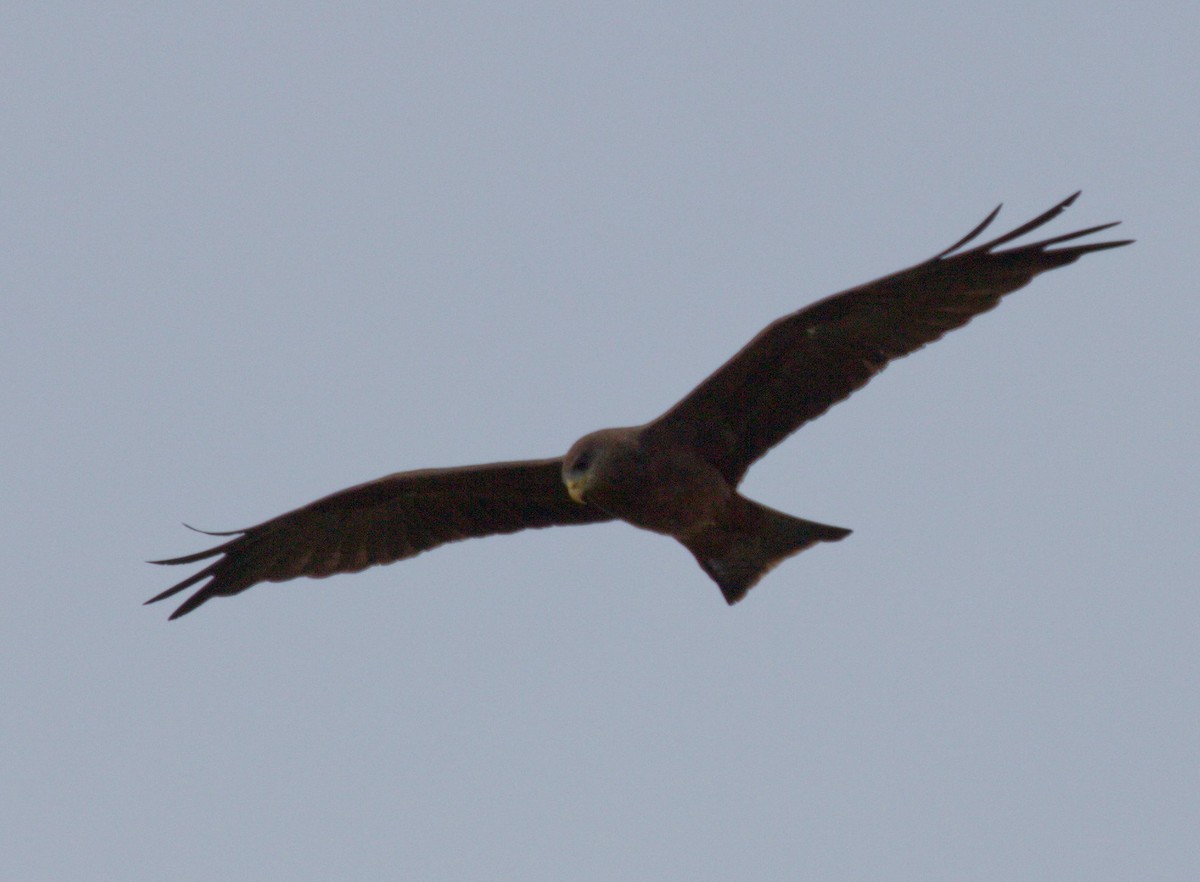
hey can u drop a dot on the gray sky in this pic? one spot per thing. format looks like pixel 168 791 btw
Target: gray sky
pixel 254 254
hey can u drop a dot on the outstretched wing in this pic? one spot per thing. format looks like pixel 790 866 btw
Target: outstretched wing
pixel 804 363
pixel 384 521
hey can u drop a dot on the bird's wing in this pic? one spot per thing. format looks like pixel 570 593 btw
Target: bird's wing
pixel 802 364
pixel 384 521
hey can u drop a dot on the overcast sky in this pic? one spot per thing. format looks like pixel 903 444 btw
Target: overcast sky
pixel 254 253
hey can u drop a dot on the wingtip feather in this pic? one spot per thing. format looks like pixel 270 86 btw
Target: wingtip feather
pixel 983 225
pixel 180 586
pixel 188 605
pixel 213 532
pixel 1027 227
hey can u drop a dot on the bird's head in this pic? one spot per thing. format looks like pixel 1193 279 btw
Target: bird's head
pixel 598 462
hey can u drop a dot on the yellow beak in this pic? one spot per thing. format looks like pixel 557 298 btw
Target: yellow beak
pixel 575 489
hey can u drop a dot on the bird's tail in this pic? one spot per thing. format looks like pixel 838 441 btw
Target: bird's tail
pixel 736 556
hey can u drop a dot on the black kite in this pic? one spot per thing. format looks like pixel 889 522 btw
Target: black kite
pixel 675 475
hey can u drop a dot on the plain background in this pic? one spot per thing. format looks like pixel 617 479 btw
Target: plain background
pixel 254 253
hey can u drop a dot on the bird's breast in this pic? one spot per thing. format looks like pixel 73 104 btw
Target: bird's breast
pixel 672 492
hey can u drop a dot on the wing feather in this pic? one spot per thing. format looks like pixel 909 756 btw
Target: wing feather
pixel 802 364
pixel 382 521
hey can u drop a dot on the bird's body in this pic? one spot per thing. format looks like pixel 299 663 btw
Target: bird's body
pixel 665 488
pixel 676 475
pixel 640 476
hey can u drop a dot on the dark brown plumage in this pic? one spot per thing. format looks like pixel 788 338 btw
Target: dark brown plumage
pixel 676 475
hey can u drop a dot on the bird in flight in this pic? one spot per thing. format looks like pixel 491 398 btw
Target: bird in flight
pixel 677 474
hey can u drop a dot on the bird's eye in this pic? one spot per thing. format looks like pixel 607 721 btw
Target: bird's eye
pixel 582 462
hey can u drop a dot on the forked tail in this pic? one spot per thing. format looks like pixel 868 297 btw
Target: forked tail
pixel 737 555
